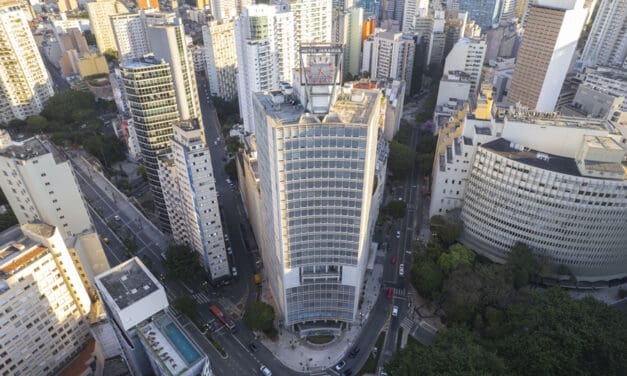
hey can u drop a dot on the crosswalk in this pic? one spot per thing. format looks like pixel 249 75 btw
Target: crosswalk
pixel 201 298
pixel 398 292
pixel 408 324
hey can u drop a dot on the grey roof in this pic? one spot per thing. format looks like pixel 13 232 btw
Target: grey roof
pixel 128 283
pixel 529 157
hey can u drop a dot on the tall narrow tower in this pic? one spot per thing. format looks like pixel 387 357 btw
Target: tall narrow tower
pixel 607 41
pixel 24 82
pixel 551 34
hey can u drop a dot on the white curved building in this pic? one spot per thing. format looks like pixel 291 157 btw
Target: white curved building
pixel 566 215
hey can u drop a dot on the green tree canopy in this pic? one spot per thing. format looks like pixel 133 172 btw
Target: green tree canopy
pixel 259 316
pixel 395 209
pixel 36 124
pixel 523 264
pixel 456 256
pixel 401 159
pixel 231 169
pixel 445 229
pixel 186 305
pixel 182 263
pixel 64 104
pixel 426 276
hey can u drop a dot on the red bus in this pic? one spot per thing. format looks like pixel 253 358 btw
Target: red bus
pixel 220 317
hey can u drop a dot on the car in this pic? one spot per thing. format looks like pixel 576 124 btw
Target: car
pixel 401 270
pixel 253 347
pixel 265 371
pixel 226 237
pixel 234 271
pixel 117 218
pixel 354 352
pixel 393 260
pixel 228 180
pixel 395 311
pixel 400 199
pixel 106 240
pixel 348 372
pixel 398 234
pixel 340 365
pixel 390 293
pixel 229 250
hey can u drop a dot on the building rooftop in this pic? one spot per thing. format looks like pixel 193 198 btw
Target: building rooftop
pixel 519 113
pixel 25 150
pixel 128 283
pixel 166 342
pixel 533 158
pixel 143 62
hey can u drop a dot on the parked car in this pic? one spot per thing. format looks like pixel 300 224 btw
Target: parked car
pixel 395 311
pixel 354 352
pixel 265 371
pixel 401 270
pixel 234 271
pixel 340 365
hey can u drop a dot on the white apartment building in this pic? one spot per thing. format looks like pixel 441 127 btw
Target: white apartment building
pixel 347 30
pixel 152 341
pixel 554 183
pixel 40 185
pixel 552 31
pixel 43 302
pixel 99 12
pixel 129 30
pixel 220 58
pixel 152 102
pixel 265 44
pixel 467 56
pixel 607 40
pixel 312 22
pixel 316 177
pixel 191 198
pixel 389 56
pixel 24 82
pixel 411 10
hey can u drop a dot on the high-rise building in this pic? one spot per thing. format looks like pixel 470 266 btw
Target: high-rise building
pixel 145 4
pixel 454 29
pixel 484 12
pixel 190 195
pixel 224 10
pixel 40 186
pixel 607 40
pixel 130 32
pixel 551 34
pixel 603 93
pixel 152 102
pixel 99 12
pixel 347 30
pixel 67 5
pixel 312 22
pixel 221 58
pixel 167 42
pixel 24 82
pixel 46 318
pixel 389 56
pixel 410 10
pixel 436 40
pixel 467 56
pixel 317 190
pixel 265 44
pixel 551 182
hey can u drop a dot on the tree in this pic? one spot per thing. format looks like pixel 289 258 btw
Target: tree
pixel 186 305
pixel 455 352
pixel 456 256
pixel 62 105
pixel 112 56
pixel 231 169
pixel 233 144
pixel 522 264
pixel 36 124
pixel 426 276
pixel 462 292
pixel 259 316
pixel 182 263
pixel 400 160
pixel 447 230
pixel 395 209
pixel 404 133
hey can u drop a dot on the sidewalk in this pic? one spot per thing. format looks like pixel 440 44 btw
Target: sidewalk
pixel 299 355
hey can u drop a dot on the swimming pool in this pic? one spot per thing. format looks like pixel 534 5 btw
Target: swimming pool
pixel 183 346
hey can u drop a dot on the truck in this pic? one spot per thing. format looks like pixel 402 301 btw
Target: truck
pixel 220 317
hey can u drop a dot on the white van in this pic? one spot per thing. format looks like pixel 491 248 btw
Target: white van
pixel 265 371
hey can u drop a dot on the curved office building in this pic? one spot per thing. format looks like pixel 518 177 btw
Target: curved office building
pixel 571 211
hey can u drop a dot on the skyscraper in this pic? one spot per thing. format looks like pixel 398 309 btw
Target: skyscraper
pixel 389 56
pixel 152 102
pixel 190 195
pixel 484 12
pixel 551 34
pixel 221 58
pixel 467 56
pixel 607 41
pixel 316 160
pixel 24 82
pixel 99 12
pixel 130 31
pixel 312 21
pixel 264 38
pixel 410 11
pixel 46 323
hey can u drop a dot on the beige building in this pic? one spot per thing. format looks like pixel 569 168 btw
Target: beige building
pixel 221 58
pixel 24 82
pixel 43 301
pixel 551 33
pixel 99 12
pixel 67 5
pixel 92 64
